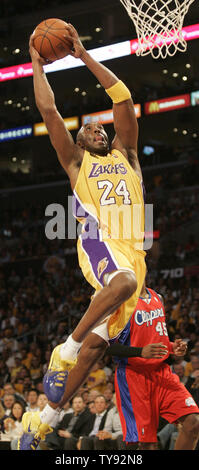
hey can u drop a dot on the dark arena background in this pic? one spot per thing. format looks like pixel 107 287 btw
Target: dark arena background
pixel 43 294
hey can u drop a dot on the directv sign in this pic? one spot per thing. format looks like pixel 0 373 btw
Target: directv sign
pixel 16 133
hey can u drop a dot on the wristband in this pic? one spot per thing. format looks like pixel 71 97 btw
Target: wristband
pixel 118 92
pixel 121 350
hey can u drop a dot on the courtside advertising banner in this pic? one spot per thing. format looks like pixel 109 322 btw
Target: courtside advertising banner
pixel 106 117
pixel 167 104
pixel 16 133
pixel 71 123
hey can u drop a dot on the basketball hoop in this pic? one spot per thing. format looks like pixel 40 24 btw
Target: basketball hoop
pixel 158 25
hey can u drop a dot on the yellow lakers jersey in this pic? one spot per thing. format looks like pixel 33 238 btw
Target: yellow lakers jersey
pixel 109 193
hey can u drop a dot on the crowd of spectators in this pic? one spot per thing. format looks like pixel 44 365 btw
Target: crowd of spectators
pixel 38 310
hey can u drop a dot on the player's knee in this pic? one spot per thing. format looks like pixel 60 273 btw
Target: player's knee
pixel 191 425
pixel 126 286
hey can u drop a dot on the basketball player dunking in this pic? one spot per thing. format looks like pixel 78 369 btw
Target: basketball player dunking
pixel 101 175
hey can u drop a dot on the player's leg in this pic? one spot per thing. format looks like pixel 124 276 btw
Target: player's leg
pixel 189 433
pixel 138 415
pixel 179 406
pixel 117 298
pixel 106 301
pixel 92 349
pixel 99 261
pixel 61 381
pixel 120 285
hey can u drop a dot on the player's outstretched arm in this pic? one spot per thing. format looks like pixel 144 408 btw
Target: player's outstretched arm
pixel 60 137
pixel 125 121
pixel 150 351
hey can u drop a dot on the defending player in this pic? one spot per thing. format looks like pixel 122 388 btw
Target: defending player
pixel 101 175
pixel 146 388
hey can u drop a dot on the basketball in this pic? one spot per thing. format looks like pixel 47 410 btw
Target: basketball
pixel 50 40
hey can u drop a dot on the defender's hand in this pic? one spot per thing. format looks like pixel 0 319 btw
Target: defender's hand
pixel 154 351
pixel 179 347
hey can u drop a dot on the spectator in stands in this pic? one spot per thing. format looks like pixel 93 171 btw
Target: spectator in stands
pixel 85 396
pixel 32 398
pixel 36 369
pixel 42 400
pixel 167 436
pixel 178 360
pixel 108 394
pixel 110 437
pixel 8 400
pixel 8 341
pixel 4 372
pixel 13 422
pixel 67 433
pixel 96 379
pixel 67 409
pixel 91 407
pixel 25 356
pixel 98 423
pixel 193 366
pixel 9 389
pixel 18 365
pixel 179 369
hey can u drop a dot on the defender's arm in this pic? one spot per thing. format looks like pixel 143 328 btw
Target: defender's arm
pixel 155 351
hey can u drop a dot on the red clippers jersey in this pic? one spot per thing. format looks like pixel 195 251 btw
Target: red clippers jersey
pixel 146 326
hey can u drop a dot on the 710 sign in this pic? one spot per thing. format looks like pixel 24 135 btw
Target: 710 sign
pixel 172 273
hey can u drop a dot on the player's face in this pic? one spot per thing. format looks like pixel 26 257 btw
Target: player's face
pixel 94 139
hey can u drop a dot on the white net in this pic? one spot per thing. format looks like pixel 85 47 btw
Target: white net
pixel 158 25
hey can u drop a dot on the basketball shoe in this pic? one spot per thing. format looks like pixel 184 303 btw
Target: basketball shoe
pixel 54 384
pixel 55 379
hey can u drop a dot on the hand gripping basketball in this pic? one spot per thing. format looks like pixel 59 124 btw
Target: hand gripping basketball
pixel 34 54
pixel 77 46
pixel 51 39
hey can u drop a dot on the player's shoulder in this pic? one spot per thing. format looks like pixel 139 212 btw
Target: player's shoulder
pixel 156 295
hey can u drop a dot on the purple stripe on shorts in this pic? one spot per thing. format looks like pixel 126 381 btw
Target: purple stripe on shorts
pixel 96 250
pixel 99 257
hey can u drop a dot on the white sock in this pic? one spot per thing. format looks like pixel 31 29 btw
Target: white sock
pixel 50 415
pixel 69 349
